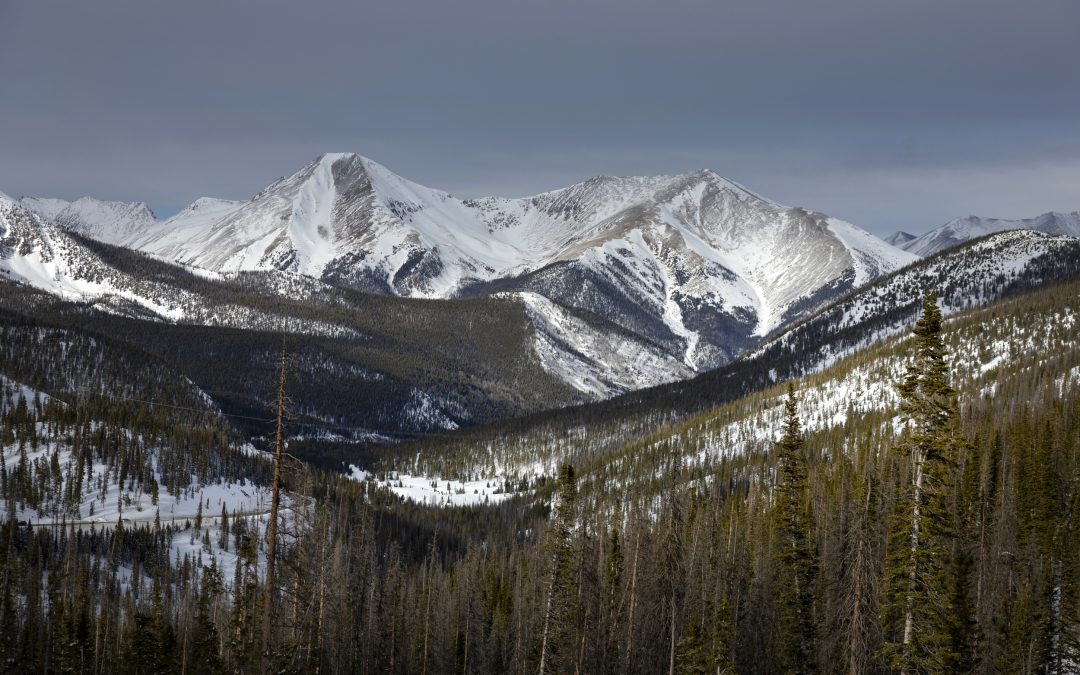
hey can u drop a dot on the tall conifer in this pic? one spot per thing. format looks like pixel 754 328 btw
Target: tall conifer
pixel 796 553
pixel 918 588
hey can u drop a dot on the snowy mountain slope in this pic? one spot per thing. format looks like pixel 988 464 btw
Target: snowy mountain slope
pixel 168 237
pixel 972 275
pixel 964 277
pixel 47 208
pixel 1033 334
pixel 596 359
pixel 709 266
pixel 107 221
pixel 970 227
pixel 37 252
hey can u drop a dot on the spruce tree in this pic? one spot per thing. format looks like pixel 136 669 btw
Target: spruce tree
pixel 919 588
pixel 559 615
pixel 795 552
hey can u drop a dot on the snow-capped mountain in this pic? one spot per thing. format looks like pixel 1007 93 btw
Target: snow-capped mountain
pixel 693 262
pixel 970 227
pixel 592 356
pixel 37 252
pixel 899 238
pixel 107 221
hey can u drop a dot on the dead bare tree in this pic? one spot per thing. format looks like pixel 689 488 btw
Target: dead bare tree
pixel 275 504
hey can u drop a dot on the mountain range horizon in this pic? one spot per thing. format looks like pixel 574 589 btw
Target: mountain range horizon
pixel 165 211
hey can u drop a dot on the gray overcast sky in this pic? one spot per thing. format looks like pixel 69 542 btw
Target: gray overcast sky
pixel 888 114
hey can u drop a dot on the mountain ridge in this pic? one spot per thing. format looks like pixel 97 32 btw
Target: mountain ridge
pixel 109 221
pixel 681 249
pixel 965 228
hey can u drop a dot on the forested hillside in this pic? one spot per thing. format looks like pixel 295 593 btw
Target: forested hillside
pixel 398 366
pixel 911 508
pixel 999 266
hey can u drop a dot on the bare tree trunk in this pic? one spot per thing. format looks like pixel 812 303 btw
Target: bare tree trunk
pixel 633 604
pixel 315 642
pixel 855 637
pixel 581 650
pixel 97 643
pixel 275 502
pixel 465 664
pixel 547 621
pixel 909 617
pixel 671 662
pixel 427 618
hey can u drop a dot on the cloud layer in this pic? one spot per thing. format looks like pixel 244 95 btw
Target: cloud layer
pixel 892 115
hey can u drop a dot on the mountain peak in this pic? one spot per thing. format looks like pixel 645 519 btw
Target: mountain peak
pixel 139 209
pixel 204 203
pixel 108 221
pixel 327 160
pixel 899 238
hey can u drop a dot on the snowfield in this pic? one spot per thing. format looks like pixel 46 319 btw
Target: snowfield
pixel 436 491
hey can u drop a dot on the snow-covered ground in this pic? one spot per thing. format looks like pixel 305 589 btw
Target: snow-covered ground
pixel 826 402
pixel 106 501
pixel 435 491
pixel 11 392
pixel 103 499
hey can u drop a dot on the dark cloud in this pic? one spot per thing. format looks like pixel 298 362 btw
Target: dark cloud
pixel 888 114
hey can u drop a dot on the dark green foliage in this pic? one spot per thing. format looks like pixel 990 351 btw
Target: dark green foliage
pixel 919 608
pixel 796 557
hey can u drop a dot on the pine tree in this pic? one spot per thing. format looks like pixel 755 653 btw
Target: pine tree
pixel 1067 648
pixel 795 552
pixel 204 654
pixel 559 615
pixel 613 576
pixel 692 654
pixel 919 588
